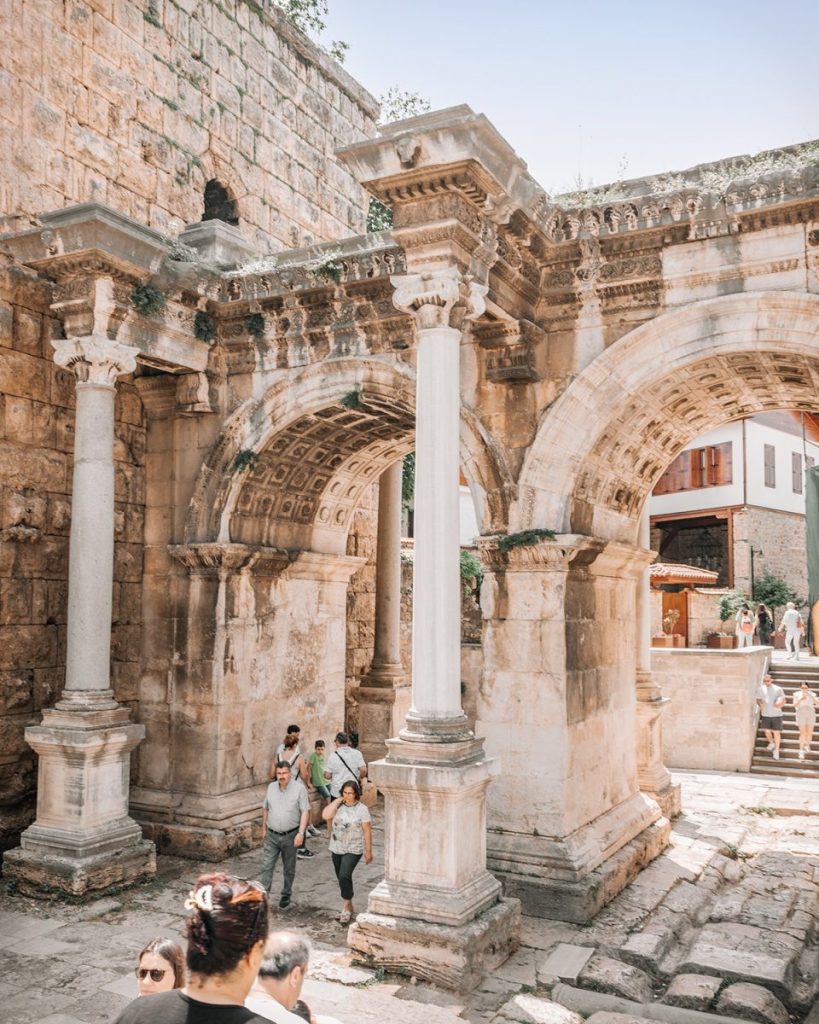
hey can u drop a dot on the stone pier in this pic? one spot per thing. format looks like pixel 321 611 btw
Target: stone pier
pixel 83 839
pixel 438 912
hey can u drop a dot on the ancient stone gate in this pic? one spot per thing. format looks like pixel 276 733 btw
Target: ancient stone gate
pixel 561 351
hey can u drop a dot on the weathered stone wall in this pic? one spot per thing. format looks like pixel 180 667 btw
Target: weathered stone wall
pixel 778 539
pixel 710 721
pixel 36 446
pixel 137 105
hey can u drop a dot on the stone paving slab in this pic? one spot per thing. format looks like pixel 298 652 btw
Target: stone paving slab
pixel 83 957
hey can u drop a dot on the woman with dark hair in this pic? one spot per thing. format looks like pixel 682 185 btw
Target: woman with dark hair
pixel 161 967
pixel 764 625
pixel 352 837
pixel 226 932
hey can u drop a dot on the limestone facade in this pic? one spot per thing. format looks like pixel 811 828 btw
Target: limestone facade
pixel 561 350
pixel 138 105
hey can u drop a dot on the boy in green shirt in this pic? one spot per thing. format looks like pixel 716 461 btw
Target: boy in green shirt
pixel 316 764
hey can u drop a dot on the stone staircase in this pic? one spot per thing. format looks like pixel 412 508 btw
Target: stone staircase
pixel 789 675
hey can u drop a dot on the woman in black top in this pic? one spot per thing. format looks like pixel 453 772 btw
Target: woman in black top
pixel 226 936
pixel 765 625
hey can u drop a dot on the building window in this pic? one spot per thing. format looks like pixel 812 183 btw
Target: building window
pixel 796 472
pixel 218 204
pixel 711 466
pixel 770 465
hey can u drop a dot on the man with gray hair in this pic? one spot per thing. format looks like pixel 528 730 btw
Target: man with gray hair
pixel 281 976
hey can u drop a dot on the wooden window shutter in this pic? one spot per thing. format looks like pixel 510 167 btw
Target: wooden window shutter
pixel 770 466
pixel 796 472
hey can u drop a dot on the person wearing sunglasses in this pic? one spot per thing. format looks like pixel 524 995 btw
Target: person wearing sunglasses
pixel 226 932
pixel 161 967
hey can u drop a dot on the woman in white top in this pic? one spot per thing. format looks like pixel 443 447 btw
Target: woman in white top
pixel 806 702
pixel 351 838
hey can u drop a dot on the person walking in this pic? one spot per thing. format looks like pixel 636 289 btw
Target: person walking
pixel 284 823
pixel 764 625
pixel 290 750
pixel 317 764
pixel 344 763
pixel 770 700
pixel 792 626
pixel 352 838
pixel 746 623
pixel 806 702
pixel 226 939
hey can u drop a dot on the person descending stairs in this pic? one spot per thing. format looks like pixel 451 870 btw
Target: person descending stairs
pixel 790 676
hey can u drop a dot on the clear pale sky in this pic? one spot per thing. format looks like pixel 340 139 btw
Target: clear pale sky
pixel 589 88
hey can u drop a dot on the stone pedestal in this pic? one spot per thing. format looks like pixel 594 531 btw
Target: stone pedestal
pixel 558 704
pixel 82 840
pixel 437 914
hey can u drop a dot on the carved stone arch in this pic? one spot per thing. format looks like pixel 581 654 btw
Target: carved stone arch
pixel 601 447
pixel 307 456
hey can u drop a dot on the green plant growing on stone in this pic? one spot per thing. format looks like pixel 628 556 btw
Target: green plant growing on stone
pixel 397 103
pixel 254 325
pixel 330 270
pixel 338 50
pixel 408 480
pixel 379 216
pixel 471 569
pixel 733 852
pixel 204 327
pixel 151 15
pixel 767 812
pixel 524 539
pixel 245 459
pixel 352 400
pixel 730 602
pixel 308 17
pixel 147 300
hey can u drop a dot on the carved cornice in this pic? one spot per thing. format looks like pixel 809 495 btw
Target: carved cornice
pixel 222 560
pixel 438 298
pixel 567 552
pixel 95 359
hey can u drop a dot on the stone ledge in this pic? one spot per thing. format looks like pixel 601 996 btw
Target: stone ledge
pixel 456 958
pixel 49 876
pixel 579 901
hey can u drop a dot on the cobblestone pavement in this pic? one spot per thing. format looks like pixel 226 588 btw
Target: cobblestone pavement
pixel 725 920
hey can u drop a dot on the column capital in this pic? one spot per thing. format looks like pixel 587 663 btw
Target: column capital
pixel 438 298
pixel 95 359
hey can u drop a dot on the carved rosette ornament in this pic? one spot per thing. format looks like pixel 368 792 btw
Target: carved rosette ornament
pixel 95 359
pixel 439 298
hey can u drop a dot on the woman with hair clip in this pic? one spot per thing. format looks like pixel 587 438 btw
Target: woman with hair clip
pixel 351 838
pixel 226 934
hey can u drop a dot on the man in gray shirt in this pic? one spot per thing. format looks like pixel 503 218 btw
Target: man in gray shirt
pixel 770 700
pixel 286 810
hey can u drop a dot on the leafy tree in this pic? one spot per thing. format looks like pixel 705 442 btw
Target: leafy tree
pixel 730 602
pixel 308 16
pixel 397 103
pixel 471 569
pixel 773 591
pixel 408 480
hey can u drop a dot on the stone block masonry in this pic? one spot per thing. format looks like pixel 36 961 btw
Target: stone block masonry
pixel 138 104
pixel 36 460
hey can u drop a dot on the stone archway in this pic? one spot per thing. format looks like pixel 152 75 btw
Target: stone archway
pixel 259 599
pixel 561 671
pixel 601 447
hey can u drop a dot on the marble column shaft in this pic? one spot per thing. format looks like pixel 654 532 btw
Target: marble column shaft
pixel 387 652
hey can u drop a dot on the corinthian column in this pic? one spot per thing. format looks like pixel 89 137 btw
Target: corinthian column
pixel 96 362
pixel 386 663
pixel 82 839
pixel 438 911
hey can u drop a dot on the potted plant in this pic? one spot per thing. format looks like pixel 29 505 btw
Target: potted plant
pixel 721 641
pixel 670 620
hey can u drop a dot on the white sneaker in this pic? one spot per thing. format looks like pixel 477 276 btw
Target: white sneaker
pixel 770 746
pixel 776 755
pixel 312 831
pixel 801 755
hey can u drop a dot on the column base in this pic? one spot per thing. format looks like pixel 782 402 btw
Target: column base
pixel 572 878
pixel 46 874
pixel 200 827
pixel 456 957
pixel 668 798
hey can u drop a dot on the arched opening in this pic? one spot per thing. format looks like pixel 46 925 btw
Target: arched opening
pixel 219 204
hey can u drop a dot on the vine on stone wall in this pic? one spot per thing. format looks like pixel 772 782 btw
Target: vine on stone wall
pixel 147 300
pixel 204 327
pixel 524 539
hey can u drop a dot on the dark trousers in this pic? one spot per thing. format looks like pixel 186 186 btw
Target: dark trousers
pixel 345 863
pixel 275 844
